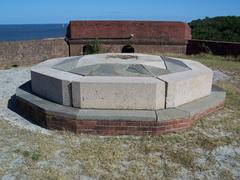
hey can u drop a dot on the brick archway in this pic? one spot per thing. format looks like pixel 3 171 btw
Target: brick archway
pixel 128 49
pixel 87 49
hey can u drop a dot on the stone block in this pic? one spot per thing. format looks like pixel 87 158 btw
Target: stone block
pixel 119 93
pixel 116 115
pixel 188 86
pixel 171 114
pixel 52 84
pixel 203 104
pixel 76 97
pixel 173 65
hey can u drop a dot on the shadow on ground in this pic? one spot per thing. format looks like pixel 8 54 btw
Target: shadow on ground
pixel 12 103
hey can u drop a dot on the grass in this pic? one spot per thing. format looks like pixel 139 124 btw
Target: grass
pixel 218 62
pixel 227 63
pixel 190 154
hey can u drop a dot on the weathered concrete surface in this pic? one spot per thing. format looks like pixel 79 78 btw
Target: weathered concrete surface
pixel 184 87
pixel 171 113
pixel 117 64
pixel 52 84
pixel 82 82
pixel 120 58
pixel 117 115
pixel 205 103
pixel 119 93
pixel 173 65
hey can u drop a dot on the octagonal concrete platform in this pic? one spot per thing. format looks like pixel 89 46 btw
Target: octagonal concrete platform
pixel 115 122
pixel 121 81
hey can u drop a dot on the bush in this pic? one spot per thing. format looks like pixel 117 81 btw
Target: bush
pixel 96 46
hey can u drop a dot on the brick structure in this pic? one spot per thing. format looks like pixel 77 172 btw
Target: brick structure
pixel 25 53
pixel 54 116
pixel 141 36
pixel 109 127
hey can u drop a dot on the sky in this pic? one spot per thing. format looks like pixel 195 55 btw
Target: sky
pixel 62 11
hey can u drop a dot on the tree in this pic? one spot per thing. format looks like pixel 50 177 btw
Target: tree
pixel 218 28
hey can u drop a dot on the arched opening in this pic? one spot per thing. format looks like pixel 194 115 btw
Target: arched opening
pixel 128 49
pixel 87 49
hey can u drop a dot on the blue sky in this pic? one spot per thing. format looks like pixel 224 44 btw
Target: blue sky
pixel 62 11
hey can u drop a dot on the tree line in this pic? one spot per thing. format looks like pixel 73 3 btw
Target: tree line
pixel 225 28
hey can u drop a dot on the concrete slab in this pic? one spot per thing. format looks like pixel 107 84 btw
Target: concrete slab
pixel 193 65
pixel 171 114
pixel 118 69
pixel 174 65
pixel 126 58
pixel 52 84
pixel 187 86
pixel 76 97
pixel 116 115
pixel 67 65
pixel 218 92
pixel 25 94
pixel 119 93
pixel 110 64
pixel 203 104
pixel 54 109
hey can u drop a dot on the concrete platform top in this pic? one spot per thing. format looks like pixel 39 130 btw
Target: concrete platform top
pixel 111 64
pixel 121 81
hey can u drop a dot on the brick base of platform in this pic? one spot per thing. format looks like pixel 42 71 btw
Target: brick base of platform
pixel 54 116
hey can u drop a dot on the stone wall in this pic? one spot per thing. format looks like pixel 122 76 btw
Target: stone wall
pixel 216 47
pixel 31 52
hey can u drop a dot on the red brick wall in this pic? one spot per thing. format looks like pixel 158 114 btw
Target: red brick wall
pixel 163 31
pixel 76 49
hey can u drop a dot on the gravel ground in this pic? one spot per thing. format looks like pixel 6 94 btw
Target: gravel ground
pixel 10 79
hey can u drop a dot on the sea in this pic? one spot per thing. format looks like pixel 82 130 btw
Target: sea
pixel 32 31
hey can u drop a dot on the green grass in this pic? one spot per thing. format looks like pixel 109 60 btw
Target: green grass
pixel 227 63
